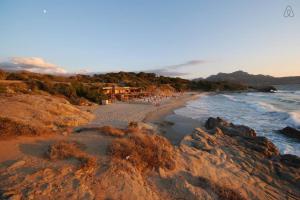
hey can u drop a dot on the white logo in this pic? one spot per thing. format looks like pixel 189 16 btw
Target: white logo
pixel 289 12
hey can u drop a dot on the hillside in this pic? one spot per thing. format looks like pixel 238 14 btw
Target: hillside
pixel 78 88
pixel 255 80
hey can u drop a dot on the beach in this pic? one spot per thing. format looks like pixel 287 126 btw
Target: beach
pixel 121 113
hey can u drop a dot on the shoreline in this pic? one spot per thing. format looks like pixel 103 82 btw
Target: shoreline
pixel 122 113
pixel 166 109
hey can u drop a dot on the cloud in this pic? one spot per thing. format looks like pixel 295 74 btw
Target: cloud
pixel 165 72
pixel 188 63
pixel 178 70
pixel 32 64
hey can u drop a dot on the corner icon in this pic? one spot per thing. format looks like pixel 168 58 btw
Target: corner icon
pixel 289 12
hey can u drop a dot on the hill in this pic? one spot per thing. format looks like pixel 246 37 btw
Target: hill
pixel 255 80
pixel 78 88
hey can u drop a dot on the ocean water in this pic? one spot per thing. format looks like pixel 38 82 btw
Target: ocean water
pixel 264 112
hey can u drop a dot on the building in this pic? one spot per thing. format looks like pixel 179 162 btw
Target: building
pixel 123 93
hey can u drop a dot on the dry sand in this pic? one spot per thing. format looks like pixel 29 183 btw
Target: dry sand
pixel 120 114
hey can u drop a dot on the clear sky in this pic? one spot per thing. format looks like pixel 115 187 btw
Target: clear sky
pixel 191 37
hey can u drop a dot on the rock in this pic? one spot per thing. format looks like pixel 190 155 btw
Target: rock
pixel 16 165
pixel 260 144
pixel 290 160
pixel 229 128
pixel 217 131
pixel 291 132
pixel 271 89
pixel 215 122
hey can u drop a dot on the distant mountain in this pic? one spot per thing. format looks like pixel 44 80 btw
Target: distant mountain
pixel 255 80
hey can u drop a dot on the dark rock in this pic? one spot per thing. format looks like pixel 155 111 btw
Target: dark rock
pixel 245 136
pixel 215 122
pixel 290 160
pixel 265 89
pixel 261 145
pixel 229 128
pixel 291 132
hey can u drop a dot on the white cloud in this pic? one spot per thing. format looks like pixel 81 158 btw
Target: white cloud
pixel 33 64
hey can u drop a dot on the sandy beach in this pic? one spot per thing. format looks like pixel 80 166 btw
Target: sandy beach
pixel 121 113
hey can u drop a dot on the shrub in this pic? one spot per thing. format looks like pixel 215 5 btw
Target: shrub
pixel 144 151
pixel 64 89
pixel 10 128
pixel 109 130
pixel 70 149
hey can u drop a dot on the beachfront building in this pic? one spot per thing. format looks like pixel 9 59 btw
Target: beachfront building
pixel 123 93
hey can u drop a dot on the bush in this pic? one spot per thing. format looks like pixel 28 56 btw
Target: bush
pixel 107 130
pixel 67 150
pixel 17 76
pixel 144 151
pixel 9 128
pixel 64 89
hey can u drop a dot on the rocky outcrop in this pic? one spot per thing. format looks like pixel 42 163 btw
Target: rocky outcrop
pixel 246 136
pixel 229 128
pixel 261 145
pixel 291 132
pixel 252 164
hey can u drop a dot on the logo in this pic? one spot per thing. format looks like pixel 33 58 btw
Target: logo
pixel 289 12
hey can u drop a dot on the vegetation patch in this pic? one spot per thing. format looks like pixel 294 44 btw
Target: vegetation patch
pixel 68 150
pixel 10 128
pixel 106 130
pixel 111 131
pixel 144 151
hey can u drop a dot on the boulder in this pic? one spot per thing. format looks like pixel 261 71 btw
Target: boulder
pixel 291 132
pixel 212 123
pixel 229 128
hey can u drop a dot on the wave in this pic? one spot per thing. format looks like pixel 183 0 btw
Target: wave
pixel 297 92
pixel 291 118
pixel 230 97
pixel 294 119
pixel 268 107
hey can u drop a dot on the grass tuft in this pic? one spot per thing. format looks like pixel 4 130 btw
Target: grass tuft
pixel 67 150
pixel 144 151
pixel 11 128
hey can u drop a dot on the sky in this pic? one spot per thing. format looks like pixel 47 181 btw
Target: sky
pixel 186 38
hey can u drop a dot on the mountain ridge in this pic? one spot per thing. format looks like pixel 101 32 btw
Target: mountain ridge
pixel 251 79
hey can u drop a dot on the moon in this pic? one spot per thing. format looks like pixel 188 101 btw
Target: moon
pixel 44 11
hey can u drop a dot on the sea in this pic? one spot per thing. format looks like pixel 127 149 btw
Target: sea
pixel 266 113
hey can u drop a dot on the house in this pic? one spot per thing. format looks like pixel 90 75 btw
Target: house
pixel 123 93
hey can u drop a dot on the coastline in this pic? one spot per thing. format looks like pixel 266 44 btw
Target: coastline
pixel 223 157
pixel 121 114
pixel 168 108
